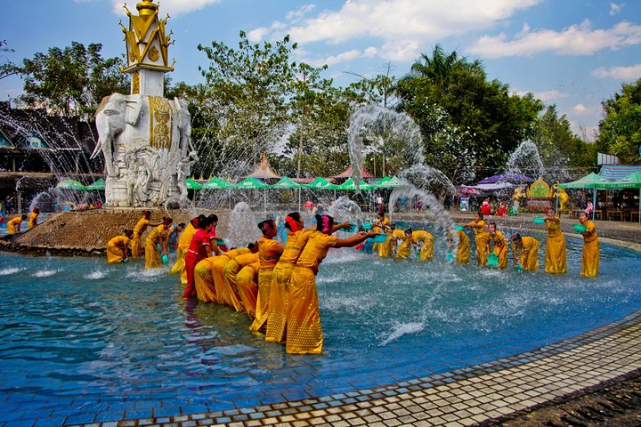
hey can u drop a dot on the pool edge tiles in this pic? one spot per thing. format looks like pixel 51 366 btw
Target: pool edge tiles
pixel 465 396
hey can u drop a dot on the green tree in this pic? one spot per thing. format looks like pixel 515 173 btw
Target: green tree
pixel 247 89
pixel 447 93
pixel 620 129
pixel 71 81
pixel 7 68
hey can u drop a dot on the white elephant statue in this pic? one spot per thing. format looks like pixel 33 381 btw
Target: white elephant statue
pixel 157 132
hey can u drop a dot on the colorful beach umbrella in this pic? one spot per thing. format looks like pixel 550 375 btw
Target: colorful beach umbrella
pixel 70 184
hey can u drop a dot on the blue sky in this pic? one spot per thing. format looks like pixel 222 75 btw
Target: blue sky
pixel 572 53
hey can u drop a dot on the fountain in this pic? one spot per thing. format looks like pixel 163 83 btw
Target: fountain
pixel 85 342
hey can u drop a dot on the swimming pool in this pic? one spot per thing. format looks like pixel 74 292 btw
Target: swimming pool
pixel 87 340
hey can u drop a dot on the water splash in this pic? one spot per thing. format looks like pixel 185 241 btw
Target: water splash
pixel 526 160
pixel 9 271
pixel 242 229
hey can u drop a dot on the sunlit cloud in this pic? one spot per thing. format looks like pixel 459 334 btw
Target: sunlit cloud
pixel 402 26
pixel 573 41
pixel 171 7
pixel 619 73
pixel 583 110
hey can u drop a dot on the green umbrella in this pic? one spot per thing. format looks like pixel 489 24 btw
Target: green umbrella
pixel 591 180
pixel 98 185
pixel 70 184
pixel 350 185
pixel 321 184
pixel 193 185
pixel 217 184
pixel 251 184
pixel 287 184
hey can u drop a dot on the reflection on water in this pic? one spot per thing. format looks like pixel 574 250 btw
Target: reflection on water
pixel 72 327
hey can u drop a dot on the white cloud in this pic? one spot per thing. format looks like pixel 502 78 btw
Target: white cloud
pixel 401 25
pixel 545 96
pixel 615 8
pixel 619 73
pixel 582 110
pixel 171 7
pixel 573 41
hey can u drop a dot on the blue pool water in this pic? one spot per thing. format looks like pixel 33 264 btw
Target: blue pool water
pixel 83 341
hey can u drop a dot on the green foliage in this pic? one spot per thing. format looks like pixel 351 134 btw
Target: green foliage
pixel 71 81
pixel 620 130
pixel 488 121
pixel 7 68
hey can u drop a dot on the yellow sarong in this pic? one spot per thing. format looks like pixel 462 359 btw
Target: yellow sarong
pixel 183 246
pixel 230 272
pixel 114 251
pixel 555 254
pixel 463 251
pixel 591 251
pixel 152 254
pixel 204 280
pixel 247 281
pixel 269 252
pixel 136 241
pixel 223 291
pixel 529 256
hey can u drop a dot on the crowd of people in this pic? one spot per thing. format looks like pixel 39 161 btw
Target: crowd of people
pixel 274 282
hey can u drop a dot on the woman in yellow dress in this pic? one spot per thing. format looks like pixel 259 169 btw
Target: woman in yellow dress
pixel 426 242
pixel 497 243
pixel 297 237
pixel 183 246
pixel 269 251
pixel 247 280
pixel 156 237
pixel 525 252
pixel 13 226
pixel 463 248
pixel 407 244
pixel 224 293
pixel 480 238
pixel 555 255
pixel 33 218
pixel 233 267
pixel 118 248
pixel 139 229
pixel 304 332
pixel 591 251
pixel 387 248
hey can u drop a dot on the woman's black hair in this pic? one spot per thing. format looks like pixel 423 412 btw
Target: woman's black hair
pixel 263 225
pixel 213 218
pixel 182 225
pixel 480 215
pixel 320 226
pixel 203 222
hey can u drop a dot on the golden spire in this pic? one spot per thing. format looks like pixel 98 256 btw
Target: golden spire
pixel 147 8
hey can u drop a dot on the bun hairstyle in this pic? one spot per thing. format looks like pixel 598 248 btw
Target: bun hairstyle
pixel 516 237
pixel 36 210
pixel 291 221
pixel 127 232
pixel 194 222
pixel 167 221
pixel 251 246
pixel 146 213
pixel 324 223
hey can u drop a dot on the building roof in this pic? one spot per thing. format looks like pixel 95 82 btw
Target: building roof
pixel 264 170
pixel 615 172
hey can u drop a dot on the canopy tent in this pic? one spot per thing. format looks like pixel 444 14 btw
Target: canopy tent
pixel 70 184
pixel 98 185
pixel 388 182
pixel 217 184
pixel 350 185
pixel 631 181
pixel 617 172
pixel 264 170
pixel 593 181
pixel 489 187
pixel 321 184
pixel 349 171
pixel 506 177
pixel 286 183
pixel 193 185
pixel 251 183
